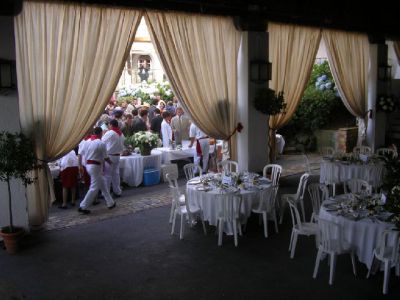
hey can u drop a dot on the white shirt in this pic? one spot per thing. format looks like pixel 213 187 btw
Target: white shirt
pixel 196 132
pixel 81 150
pixel 166 133
pixel 69 160
pixel 95 150
pixel 114 142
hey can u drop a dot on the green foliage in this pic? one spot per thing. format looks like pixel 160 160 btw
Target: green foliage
pixel 268 102
pixel 17 159
pixel 391 184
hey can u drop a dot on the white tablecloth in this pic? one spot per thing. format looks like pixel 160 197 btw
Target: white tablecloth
pixel 336 172
pixel 131 167
pixel 185 152
pixel 363 235
pixel 207 202
pixel 55 171
pixel 280 143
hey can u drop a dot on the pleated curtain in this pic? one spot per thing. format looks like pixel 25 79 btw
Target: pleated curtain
pixel 69 59
pixel 396 47
pixel 199 55
pixel 292 51
pixel 348 56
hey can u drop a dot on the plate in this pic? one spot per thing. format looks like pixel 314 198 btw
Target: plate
pixel 202 188
pixel 196 181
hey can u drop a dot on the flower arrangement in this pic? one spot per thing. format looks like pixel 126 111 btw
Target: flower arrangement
pixel 391 186
pixel 144 140
pixel 387 103
pixel 147 91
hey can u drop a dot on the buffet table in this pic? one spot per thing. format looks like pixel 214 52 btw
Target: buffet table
pixel 131 167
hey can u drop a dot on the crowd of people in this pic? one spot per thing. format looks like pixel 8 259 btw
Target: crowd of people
pixel 98 154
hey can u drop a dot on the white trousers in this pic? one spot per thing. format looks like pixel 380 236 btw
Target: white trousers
pixel 111 175
pixel 205 149
pixel 97 183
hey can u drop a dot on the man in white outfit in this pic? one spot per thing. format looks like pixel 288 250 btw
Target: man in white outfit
pixel 95 153
pixel 180 125
pixel 166 131
pixel 202 146
pixel 114 141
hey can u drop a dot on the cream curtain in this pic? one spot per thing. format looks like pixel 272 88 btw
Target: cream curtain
pixel 348 55
pixel 292 51
pixel 199 55
pixel 396 46
pixel 69 60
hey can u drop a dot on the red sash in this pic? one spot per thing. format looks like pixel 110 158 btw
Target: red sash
pixel 94 137
pixel 117 130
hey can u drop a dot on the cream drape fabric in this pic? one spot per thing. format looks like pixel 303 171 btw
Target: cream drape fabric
pixel 348 56
pixel 396 46
pixel 199 55
pixel 292 51
pixel 69 60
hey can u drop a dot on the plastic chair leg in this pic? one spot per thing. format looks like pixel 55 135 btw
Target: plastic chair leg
pixel 234 224
pixel 386 277
pixel 294 245
pixel 264 216
pixel 182 227
pixel 332 268
pixel 291 240
pixel 173 223
pixel 353 262
pixel 221 228
pixel 317 260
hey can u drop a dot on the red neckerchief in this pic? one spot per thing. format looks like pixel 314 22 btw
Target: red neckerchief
pixel 87 137
pixel 94 137
pixel 117 130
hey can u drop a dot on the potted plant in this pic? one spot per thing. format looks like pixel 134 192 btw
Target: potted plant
pixel 17 159
pixel 144 140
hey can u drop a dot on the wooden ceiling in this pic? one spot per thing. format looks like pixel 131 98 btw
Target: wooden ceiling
pixel 379 19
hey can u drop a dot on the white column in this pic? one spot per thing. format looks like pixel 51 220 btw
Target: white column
pixel 252 142
pixel 372 91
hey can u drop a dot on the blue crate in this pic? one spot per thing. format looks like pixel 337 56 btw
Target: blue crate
pixel 151 177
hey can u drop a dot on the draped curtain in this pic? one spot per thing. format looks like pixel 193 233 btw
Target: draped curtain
pixel 396 46
pixel 199 55
pixel 348 56
pixel 69 60
pixel 292 51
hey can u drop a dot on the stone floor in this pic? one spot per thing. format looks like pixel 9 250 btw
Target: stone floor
pixel 142 198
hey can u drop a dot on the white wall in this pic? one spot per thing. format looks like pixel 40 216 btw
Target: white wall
pixel 9 121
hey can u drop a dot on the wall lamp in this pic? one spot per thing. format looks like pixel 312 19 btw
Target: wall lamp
pixel 260 71
pixel 384 72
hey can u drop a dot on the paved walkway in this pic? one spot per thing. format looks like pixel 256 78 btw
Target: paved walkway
pixel 141 198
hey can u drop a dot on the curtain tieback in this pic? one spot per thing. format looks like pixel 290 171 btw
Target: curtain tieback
pixel 239 127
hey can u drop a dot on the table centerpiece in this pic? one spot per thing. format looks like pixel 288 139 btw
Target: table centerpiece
pixel 144 140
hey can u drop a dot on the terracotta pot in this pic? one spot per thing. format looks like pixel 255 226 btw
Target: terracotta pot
pixel 11 238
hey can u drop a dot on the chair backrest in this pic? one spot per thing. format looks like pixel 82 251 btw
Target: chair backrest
pixel 327 151
pixel 190 169
pixel 267 199
pixel 229 166
pixel 302 186
pixel 383 244
pixel 318 193
pixel 172 179
pixel 357 186
pixel 386 152
pixel 330 235
pixel 228 206
pixel 294 212
pixel 362 150
pixel 273 171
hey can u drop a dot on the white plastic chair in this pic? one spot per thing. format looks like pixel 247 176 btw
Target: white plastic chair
pixel 386 151
pixel 296 198
pixel 273 172
pixel 186 211
pixel 389 255
pixel 362 150
pixel 318 193
pixel 332 243
pixel 229 166
pixel 299 228
pixel 173 183
pixel 228 208
pixel 356 186
pixel 327 151
pixel 266 207
pixel 190 170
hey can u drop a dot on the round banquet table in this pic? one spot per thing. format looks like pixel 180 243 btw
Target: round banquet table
pixel 336 172
pixel 131 167
pixel 363 234
pixel 206 200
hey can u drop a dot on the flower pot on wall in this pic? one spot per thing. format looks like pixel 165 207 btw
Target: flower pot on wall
pixel 11 238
